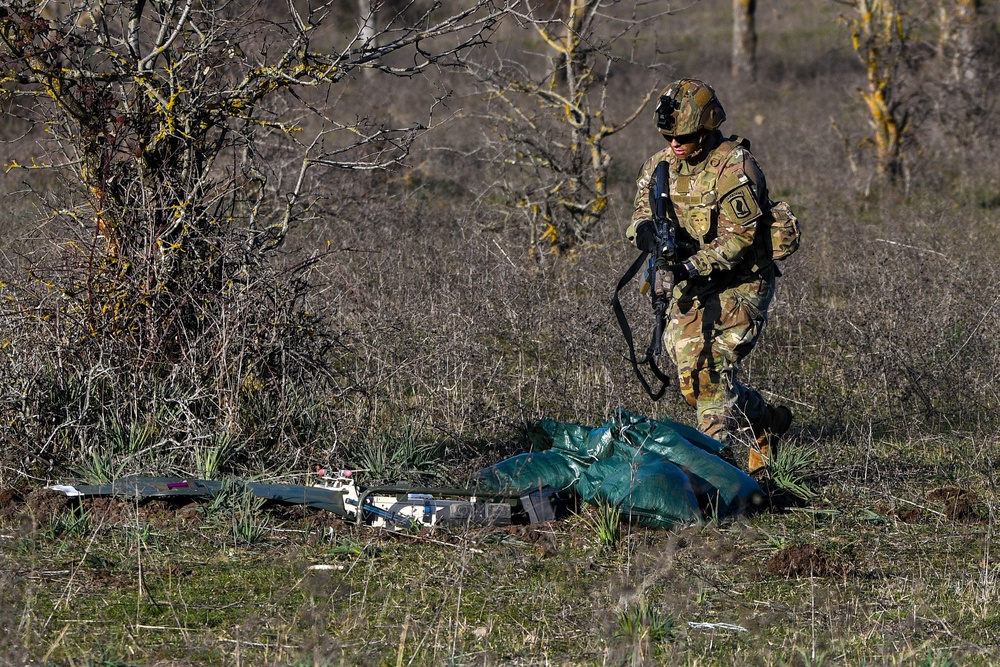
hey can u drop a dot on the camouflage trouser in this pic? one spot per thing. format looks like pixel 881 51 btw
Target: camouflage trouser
pixel 707 339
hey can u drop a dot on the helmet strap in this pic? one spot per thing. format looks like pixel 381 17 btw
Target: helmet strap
pixel 703 135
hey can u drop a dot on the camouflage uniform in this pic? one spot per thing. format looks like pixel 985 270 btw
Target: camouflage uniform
pixel 715 316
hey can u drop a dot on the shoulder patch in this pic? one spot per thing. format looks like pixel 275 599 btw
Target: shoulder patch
pixel 740 205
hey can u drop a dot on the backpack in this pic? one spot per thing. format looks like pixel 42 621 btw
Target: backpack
pixel 784 233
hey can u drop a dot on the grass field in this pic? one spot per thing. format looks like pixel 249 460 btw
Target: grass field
pixel 874 576
pixel 441 339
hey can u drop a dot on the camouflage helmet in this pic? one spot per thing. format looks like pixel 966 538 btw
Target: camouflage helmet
pixel 687 106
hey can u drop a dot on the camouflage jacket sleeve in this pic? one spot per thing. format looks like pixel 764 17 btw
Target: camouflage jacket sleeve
pixel 641 210
pixel 742 194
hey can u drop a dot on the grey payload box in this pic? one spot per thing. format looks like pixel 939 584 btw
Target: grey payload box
pixel 460 513
pixel 545 504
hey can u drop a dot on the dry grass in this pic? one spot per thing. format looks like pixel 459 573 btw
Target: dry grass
pixel 871 578
pixel 439 335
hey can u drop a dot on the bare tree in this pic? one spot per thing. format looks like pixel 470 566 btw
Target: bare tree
pixel 168 112
pixel 367 12
pixel 187 135
pixel 959 42
pixel 552 124
pixel 744 65
pixel 880 37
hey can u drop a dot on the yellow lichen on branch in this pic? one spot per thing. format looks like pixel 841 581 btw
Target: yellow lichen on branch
pixel 879 38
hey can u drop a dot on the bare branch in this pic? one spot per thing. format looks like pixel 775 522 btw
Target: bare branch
pixel 553 122
pixel 169 115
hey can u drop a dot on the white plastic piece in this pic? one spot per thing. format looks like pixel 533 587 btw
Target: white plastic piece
pixel 70 491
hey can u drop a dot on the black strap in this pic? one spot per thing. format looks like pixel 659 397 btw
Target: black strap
pixel 650 359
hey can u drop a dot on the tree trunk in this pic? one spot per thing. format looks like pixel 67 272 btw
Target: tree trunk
pixel 366 12
pixel 958 42
pixel 744 40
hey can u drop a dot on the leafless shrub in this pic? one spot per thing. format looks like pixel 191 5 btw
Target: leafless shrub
pixel 187 135
pixel 550 116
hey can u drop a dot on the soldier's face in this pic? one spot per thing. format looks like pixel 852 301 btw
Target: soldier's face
pixel 684 145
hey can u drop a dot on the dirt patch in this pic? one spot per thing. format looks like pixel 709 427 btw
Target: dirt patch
pixel 10 497
pixel 802 560
pixel 959 505
pixel 10 502
pixel 116 511
pixel 108 511
pixel 157 513
pixel 540 536
pixel 43 505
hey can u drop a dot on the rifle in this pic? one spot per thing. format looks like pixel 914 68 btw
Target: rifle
pixel 665 254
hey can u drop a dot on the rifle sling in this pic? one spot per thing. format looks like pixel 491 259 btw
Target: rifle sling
pixel 627 333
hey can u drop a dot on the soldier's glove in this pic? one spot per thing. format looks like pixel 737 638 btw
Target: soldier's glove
pixel 671 274
pixel 645 236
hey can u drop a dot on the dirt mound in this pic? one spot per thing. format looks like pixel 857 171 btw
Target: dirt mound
pixel 801 560
pixel 9 497
pixel 911 515
pixel 959 504
pixel 44 505
pixel 10 501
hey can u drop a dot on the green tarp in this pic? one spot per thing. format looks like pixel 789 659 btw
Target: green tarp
pixel 657 472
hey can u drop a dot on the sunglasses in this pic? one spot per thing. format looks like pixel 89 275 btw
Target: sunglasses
pixel 681 138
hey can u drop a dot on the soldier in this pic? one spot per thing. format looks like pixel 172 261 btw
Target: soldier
pixel 723 282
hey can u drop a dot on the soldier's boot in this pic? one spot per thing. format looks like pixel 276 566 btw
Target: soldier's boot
pixel 767 434
pixel 720 427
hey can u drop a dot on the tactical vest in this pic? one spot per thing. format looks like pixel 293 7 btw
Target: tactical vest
pixel 695 197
